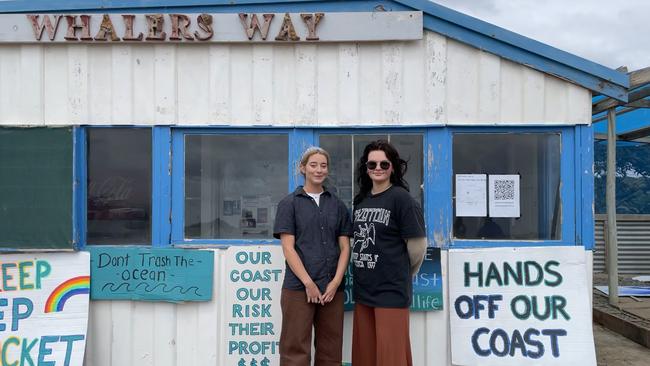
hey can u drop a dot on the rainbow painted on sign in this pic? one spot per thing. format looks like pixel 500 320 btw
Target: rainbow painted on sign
pixel 74 286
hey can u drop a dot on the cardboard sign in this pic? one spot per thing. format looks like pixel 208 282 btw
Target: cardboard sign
pixel 253 318
pixel 427 285
pixel 151 274
pixel 518 306
pixel 44 308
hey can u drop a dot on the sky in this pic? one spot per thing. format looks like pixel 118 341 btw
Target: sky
pixel 609 32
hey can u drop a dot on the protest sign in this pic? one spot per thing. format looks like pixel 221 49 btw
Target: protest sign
pixel 252 321
pixel 519 306
pixel 151 274
pixel 44 308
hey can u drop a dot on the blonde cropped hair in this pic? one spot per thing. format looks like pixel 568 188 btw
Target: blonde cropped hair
pixel 313 150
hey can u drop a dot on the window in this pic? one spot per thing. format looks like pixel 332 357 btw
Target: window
pixel 36 188
pixel 345 151
pixel 535 158
pixel 233 183
pixel 119 186
pixel 632 177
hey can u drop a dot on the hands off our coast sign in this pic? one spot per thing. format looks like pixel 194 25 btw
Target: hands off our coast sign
pixel 193 28
pixel 520 306
pixel 252 321
pixel 44 308
pixel 151 274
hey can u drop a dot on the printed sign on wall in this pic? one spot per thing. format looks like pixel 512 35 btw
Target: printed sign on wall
pixel 252 321
pixel 151 274
pixel 517 306
pixel 44 313
pixel 427 284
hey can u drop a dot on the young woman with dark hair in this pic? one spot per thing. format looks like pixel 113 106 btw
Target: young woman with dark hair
pixel 314 228
pixel 388 249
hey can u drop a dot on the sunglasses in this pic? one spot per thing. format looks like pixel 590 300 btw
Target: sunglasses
pixel 372 165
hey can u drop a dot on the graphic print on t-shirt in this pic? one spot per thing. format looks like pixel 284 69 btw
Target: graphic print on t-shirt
pixel 365 219
pixel 364 237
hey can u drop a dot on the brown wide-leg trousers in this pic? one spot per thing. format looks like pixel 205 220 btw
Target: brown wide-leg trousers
pixel 298 317
pixel 380 336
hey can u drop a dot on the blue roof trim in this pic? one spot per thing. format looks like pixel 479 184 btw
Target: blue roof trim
pixel 440 19
pixel 22 6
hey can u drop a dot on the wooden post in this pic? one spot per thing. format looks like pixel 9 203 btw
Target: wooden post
pixel 612 244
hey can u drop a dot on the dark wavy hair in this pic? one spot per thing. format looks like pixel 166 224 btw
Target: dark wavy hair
pixel 396 178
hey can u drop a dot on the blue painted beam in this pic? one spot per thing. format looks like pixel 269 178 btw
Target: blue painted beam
pixel 161 186
pixel 79 190
pixel 57 6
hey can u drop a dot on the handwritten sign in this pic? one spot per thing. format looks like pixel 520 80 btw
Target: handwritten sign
pixel 427 285
pixel 44 308
pixel 151 274
pixel 253 317
pixel 514 306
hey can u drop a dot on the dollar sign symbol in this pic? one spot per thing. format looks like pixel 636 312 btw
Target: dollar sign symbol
pixel 253 362
pixel 241 362
pixel 265 362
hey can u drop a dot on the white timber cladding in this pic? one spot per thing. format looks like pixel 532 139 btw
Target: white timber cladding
pixel 122 333
pixel 433 81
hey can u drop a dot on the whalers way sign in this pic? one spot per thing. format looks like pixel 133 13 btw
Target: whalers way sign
pixel 193 28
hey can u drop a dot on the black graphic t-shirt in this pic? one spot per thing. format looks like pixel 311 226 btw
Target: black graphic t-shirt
pixel 380 260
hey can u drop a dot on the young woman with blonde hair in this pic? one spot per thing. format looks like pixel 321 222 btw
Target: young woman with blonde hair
pixel 314 228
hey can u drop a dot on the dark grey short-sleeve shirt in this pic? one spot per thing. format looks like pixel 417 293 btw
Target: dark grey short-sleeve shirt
pixel 316 229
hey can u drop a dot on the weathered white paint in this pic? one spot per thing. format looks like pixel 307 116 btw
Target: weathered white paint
pixel 164 334
pixel 432 81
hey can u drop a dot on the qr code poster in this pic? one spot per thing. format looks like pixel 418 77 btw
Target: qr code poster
pixel 504 195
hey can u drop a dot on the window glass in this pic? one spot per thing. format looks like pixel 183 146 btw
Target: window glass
pixel 535 158
pixel 345 151
pixel 36 188
pixel 119 186
pixel 233 184
pixel 632 177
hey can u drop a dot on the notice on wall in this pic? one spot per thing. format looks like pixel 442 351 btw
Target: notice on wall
pixel 253 318
pixel 427 285
pixel 518 306
pixel 504 195
pixel 471 195
pixel 44 308
pixel 151 274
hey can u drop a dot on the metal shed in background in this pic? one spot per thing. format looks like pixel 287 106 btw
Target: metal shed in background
pixel 632 177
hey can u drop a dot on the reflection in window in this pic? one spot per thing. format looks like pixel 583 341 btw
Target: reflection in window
pixel 535 158
pixel 119 186
pixel 233 184
pixel 345 151
pixel 632 177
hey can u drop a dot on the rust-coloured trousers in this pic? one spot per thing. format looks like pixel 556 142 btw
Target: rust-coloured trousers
pixel 298 318
pixel 380 336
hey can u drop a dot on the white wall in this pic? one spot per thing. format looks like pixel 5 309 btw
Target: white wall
pixel 432 81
